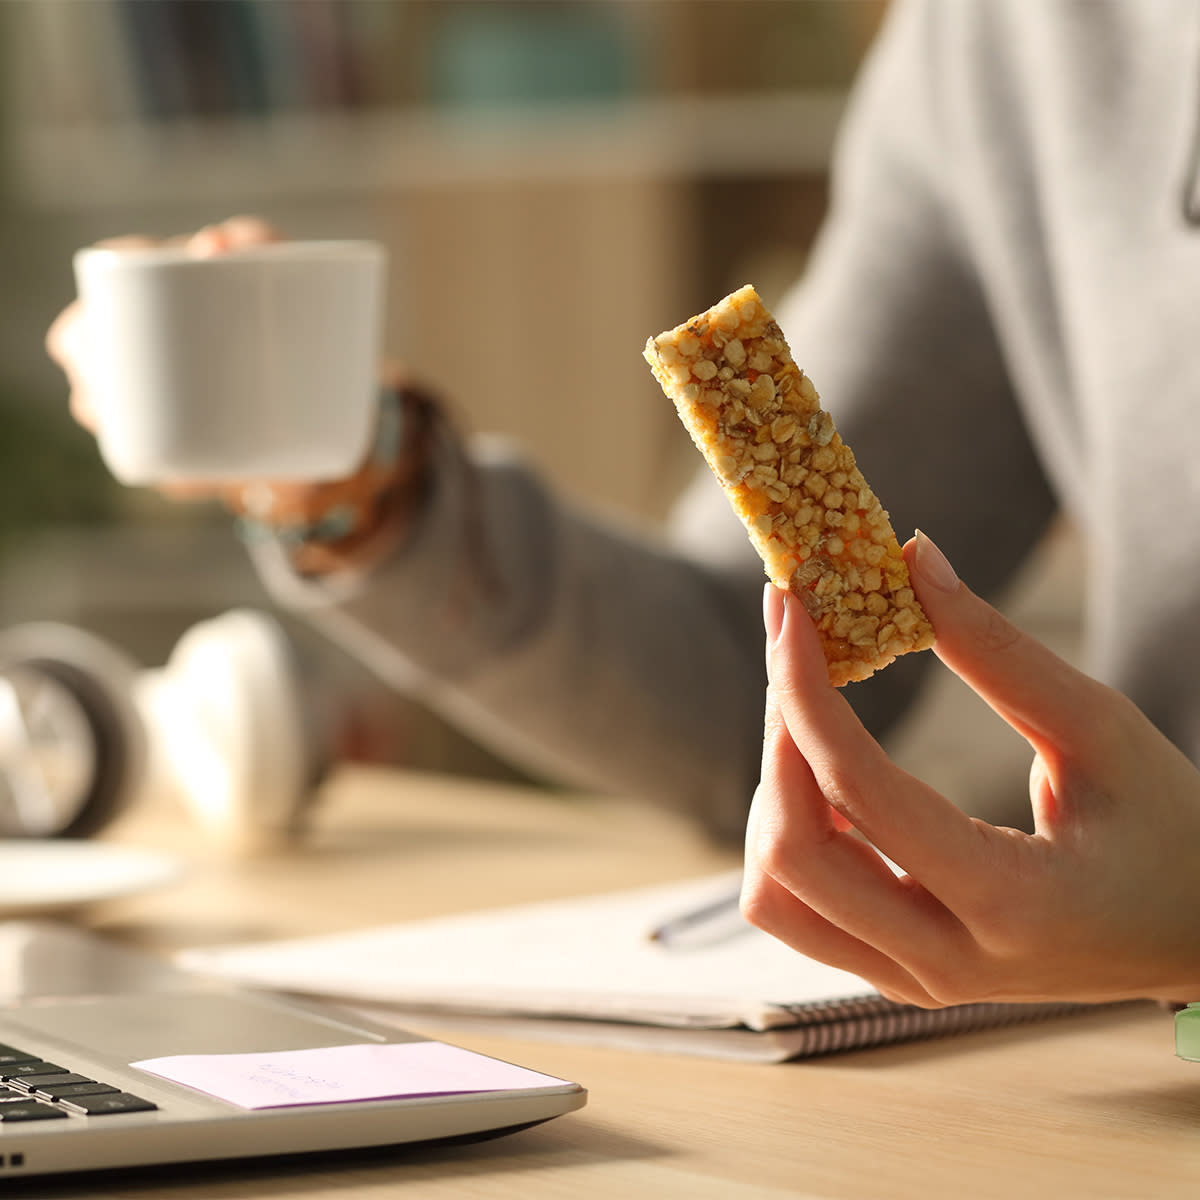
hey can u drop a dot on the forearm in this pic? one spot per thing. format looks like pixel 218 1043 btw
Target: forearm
pixel 581 651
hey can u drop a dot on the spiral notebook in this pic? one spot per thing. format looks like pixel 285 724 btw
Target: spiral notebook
pixel 592 969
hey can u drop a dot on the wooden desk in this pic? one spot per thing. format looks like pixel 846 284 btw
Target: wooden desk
pixel 1095 1106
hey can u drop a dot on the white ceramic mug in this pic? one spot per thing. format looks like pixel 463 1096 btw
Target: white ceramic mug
pixel 262 363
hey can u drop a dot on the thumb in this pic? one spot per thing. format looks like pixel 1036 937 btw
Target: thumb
pixel 1041 696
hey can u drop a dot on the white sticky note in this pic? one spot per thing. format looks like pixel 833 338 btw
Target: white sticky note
pixel 340 1074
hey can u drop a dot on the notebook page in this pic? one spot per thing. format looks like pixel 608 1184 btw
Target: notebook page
pixel 590 957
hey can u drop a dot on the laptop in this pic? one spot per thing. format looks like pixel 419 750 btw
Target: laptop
pixel 77 1011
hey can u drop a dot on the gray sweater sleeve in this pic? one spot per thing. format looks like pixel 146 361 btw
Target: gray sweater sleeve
pixel 892 324
pixel 581 650
pixel 604 658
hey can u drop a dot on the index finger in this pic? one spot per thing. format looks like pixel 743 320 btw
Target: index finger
pixel 234 233
pixel 1045 699
pixel 919 829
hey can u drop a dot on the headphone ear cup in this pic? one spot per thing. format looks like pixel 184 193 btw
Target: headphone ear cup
pixel 67 665
pixel 230 728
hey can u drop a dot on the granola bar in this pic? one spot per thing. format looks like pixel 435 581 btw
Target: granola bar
pixel 817 525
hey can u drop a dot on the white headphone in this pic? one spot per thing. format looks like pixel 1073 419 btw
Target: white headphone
pixel 224 727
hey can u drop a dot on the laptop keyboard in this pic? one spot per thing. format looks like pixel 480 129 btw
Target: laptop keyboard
pixel 32 1089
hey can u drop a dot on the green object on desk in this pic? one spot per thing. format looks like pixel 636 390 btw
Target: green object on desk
pixel 1187 1033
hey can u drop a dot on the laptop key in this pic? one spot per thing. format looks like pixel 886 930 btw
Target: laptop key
pixel 30 1110
pixel 10 1054
pixel 32 1083
pixel 59 1091
pixel 31 1066
pixel 109 1102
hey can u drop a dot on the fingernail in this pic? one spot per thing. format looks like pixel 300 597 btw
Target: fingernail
pixel 205 243
pixel 933 566
pixel 774 610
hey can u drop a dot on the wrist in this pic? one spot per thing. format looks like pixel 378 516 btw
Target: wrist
pixel 350 523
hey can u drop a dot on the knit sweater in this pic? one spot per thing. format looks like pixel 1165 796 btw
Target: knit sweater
pixel 1001 314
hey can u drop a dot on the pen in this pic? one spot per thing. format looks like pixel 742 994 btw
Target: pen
pixel 713 921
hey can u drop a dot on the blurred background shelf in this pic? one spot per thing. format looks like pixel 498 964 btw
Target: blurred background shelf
pixel 279 158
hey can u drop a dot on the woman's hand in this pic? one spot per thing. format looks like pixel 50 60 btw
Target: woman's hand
pixel 1098 903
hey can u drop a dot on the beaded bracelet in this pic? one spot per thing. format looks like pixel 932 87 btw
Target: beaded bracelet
pixel 254 525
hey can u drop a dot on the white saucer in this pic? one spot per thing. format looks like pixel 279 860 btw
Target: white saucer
pixel 40 876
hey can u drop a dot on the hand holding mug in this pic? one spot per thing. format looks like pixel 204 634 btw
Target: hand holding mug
pixel 234 364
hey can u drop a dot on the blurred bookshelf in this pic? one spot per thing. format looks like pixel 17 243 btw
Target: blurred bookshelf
pixel 120 102
pixel 98 61
pixel 554 179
